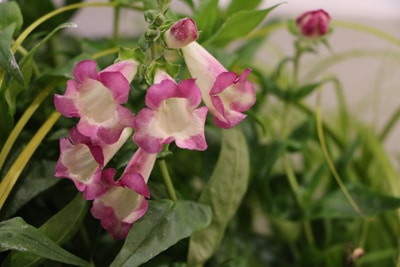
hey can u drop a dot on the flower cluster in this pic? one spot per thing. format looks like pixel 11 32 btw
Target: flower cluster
pixel 172 113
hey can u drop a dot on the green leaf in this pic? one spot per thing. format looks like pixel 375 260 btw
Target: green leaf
pixel 223 192
pixel 239 25
pixel 265 156
pixel 238 5
pixel 59 228
pixel 206 17
pixel 16 234
pixel 295 94
pixel 335 205
pixel 10 14
pixel 165 223
pixel 39 177
pixel 301 134
pixel 7 59
pixel 26 65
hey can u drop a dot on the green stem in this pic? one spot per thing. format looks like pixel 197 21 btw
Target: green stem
pixel 105 52
pixel 167 179
pixel 296 63
pixel 294 185
pixel 117 11
pixel 328 159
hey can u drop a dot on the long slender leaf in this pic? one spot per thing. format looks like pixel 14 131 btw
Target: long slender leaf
pixel 165 223
pixel 16 234
pixel 59 228
pixel 223 192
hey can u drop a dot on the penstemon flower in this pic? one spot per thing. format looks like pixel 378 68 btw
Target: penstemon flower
pixel 125 202
pixel 226 94
pixel 96 99
pixel 82 161
pixel 171 114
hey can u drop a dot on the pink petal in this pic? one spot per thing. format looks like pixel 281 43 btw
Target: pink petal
pixel 85 69
pixel 117 84
pixel 128 68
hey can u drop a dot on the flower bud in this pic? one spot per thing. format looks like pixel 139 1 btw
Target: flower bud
pixel 181 33
pixel 313 23
pixel 151 35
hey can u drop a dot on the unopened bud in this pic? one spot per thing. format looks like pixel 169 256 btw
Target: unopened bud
pixel 313 23
pixel 181 33
pixel 151 35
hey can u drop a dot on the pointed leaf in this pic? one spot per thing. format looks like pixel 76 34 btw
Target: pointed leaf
pixel 7 59
pixel 59 228
pixel 223 192
pixel 238 5
pixel 239 25
pixel 335 205
pixel 165 223
pixel 16 234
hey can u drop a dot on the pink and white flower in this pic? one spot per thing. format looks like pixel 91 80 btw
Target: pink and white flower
pixel 171 114
pixel 82 161
pixel 125 200
pixel 96 98
pixel 226 94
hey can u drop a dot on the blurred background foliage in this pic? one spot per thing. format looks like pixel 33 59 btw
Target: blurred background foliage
pixel 321 186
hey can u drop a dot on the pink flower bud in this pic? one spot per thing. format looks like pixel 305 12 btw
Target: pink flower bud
pixel 313 23
pixel 181 33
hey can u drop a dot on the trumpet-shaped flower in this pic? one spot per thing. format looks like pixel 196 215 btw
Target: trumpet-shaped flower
pixel 125 200
pixel 96 98
pixel 225 93
pixel 171 114
pixel 82 161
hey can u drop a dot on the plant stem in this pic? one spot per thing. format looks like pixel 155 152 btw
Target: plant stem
pixel 294 185
pixel 167 179
pixel 117 11
pixel 328 159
